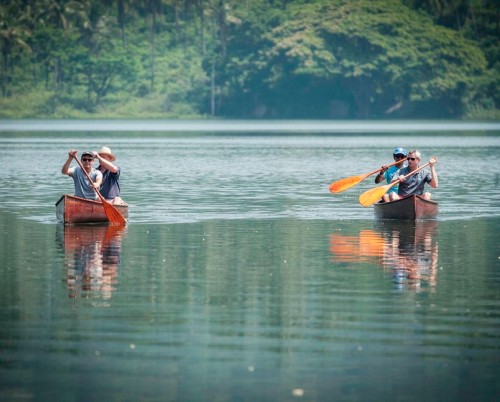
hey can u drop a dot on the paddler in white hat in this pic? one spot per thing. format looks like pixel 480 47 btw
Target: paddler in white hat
pixel 110 188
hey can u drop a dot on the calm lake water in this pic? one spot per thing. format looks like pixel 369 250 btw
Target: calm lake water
pixel 240 277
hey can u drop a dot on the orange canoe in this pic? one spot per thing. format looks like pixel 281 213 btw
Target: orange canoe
pixel 71 209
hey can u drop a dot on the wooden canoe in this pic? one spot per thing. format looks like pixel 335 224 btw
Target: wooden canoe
pixel 71 210
pixel 414 207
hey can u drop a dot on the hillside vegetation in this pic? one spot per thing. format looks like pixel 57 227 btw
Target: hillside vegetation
pixel 278 59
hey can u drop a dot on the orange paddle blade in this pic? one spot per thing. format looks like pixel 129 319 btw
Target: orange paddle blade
pixel 348 182
pixel 114 216
pixel 371 196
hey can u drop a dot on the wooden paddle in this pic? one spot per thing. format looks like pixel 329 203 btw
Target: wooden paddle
pixel 348 182
pixel 114 216
pixel 371 196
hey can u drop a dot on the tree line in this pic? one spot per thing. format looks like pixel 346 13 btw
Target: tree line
pixel 250 58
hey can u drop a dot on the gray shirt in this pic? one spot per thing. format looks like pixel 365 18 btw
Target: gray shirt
pixel 413 184
pixel 83 187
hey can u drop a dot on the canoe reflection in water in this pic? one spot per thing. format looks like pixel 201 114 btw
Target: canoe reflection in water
pixel 406 250
pixel 92 259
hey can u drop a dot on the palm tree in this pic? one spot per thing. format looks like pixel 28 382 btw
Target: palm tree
pixel 58 16
pixel 153 9
pixel 13 32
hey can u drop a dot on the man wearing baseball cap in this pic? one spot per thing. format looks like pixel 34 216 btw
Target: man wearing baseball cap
pixel 110 188
pixel 83 188
pixel 387 173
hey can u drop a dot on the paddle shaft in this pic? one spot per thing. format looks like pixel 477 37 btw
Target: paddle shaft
pixel 348 182
pixel 392 164
pixel 408 175
pixel 90 180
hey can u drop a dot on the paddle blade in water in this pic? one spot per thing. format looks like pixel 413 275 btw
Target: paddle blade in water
pixel 344 184
pixel 114 216
pixel 371 196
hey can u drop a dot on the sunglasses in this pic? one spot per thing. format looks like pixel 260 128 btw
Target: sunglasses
pixel 87 160
pixel 412 159
pixel 399 156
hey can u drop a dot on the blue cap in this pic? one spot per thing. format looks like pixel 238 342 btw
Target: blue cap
pixel 400 151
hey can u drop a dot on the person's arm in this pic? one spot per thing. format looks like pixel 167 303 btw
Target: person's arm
pixel 98 180
pixel 107 164
pixel 380 176
pixel 65 168
pixel 434 177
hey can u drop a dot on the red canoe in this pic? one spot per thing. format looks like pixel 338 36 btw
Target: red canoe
pixel 414 207
pixel 71 209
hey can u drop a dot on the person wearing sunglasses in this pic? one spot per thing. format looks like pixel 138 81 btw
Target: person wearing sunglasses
pixel 110 188
pixel 387 173
pixel 83 188
pixel 415 183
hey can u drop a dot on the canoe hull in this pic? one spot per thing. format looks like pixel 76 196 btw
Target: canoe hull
pixel 414 207
pixel 76 210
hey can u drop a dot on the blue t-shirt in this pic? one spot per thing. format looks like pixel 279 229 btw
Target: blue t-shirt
pixel 83 187
pixel 389 175
pixel 110 187
pixel 413 184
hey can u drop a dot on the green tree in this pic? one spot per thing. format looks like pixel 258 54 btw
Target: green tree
pixel 105 59
pixel 14 30
pixel 53 31
pixel 450 13
pixel 375 56
pixel 250 58
pixel 484 28
pixel 153 10
pixel 244 73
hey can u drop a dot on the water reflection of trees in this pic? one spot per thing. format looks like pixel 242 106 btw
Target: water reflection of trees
pixel 92 259
pixel 406 250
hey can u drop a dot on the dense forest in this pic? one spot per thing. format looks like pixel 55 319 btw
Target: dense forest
pixel 267 59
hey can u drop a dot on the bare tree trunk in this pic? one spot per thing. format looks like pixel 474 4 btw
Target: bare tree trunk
pixel 89 87
pixel 5 74
pixel 212 89
pixel 6 51
pixel 57 78
pixel 152 36
pixel 221 22
pixel 121 21
pixel 202 28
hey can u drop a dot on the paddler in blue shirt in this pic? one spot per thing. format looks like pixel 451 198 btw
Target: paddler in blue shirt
pixel 387 173
pixel 110 188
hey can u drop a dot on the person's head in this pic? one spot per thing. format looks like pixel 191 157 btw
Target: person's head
pixel 399 153
pixel 414 157
pixel 106 153
pixel 87 158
